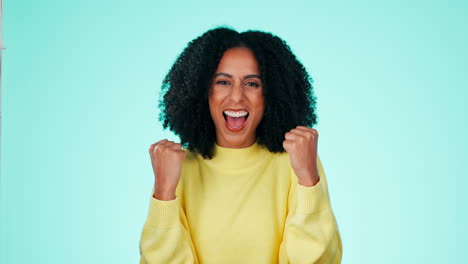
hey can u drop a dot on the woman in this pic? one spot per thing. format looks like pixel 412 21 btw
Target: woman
pixel 246 184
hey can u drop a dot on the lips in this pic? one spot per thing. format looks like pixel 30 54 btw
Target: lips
pixel 233 123
pixel 225 116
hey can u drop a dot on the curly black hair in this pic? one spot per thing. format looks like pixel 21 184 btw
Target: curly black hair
pixel 287 88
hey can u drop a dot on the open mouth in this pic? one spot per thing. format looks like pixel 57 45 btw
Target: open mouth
pixel 225 116
pixel 235 123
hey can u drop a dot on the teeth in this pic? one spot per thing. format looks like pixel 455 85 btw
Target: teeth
pixel 236 114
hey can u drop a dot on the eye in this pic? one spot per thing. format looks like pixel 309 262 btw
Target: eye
pixel 222 82
pixel 253 84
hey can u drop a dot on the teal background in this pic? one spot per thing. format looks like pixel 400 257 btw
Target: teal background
pixel 80 81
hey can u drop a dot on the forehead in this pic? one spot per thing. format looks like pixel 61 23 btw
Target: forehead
pixel 238 60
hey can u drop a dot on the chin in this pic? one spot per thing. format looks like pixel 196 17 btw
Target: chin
pixel 235 139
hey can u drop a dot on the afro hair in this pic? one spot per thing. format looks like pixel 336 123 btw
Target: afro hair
pixel 287 89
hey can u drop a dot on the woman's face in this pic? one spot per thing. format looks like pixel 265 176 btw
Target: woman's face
pixel 236 98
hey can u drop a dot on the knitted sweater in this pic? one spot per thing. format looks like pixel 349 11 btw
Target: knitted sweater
pixel 243 206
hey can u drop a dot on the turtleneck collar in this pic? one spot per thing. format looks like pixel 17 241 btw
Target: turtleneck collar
pixel 238 157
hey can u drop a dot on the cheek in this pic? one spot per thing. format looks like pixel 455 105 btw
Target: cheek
pixel 211 99
pixel 258 105
pixel 262 106
pixel 259 102
pixel 215 96
pixel 214 103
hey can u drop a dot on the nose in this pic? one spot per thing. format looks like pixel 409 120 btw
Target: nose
pixel 237 93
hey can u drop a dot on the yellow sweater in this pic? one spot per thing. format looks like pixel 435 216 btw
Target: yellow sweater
pixel 243 206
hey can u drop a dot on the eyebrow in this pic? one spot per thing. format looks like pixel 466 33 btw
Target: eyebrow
pixel 230 76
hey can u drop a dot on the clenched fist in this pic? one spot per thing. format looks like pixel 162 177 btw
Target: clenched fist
pixel 301 144
pixel 166 159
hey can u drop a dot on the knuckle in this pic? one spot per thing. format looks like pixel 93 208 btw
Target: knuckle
pixel 152 146
pixel 160 148
pixel 167 150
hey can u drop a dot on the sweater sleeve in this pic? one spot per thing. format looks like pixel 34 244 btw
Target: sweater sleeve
pixel 311 233
pixel 165 237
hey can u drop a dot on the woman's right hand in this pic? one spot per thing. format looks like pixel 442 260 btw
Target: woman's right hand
pixel 166 159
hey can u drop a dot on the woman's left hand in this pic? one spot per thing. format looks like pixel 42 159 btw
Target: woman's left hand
pixel 301 144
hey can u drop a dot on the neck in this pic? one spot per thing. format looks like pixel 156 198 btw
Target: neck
pixel 222 142
pixel 233 158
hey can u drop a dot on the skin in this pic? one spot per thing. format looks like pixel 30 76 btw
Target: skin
pixel 301 144
pixel 236 85
pixel 166 159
